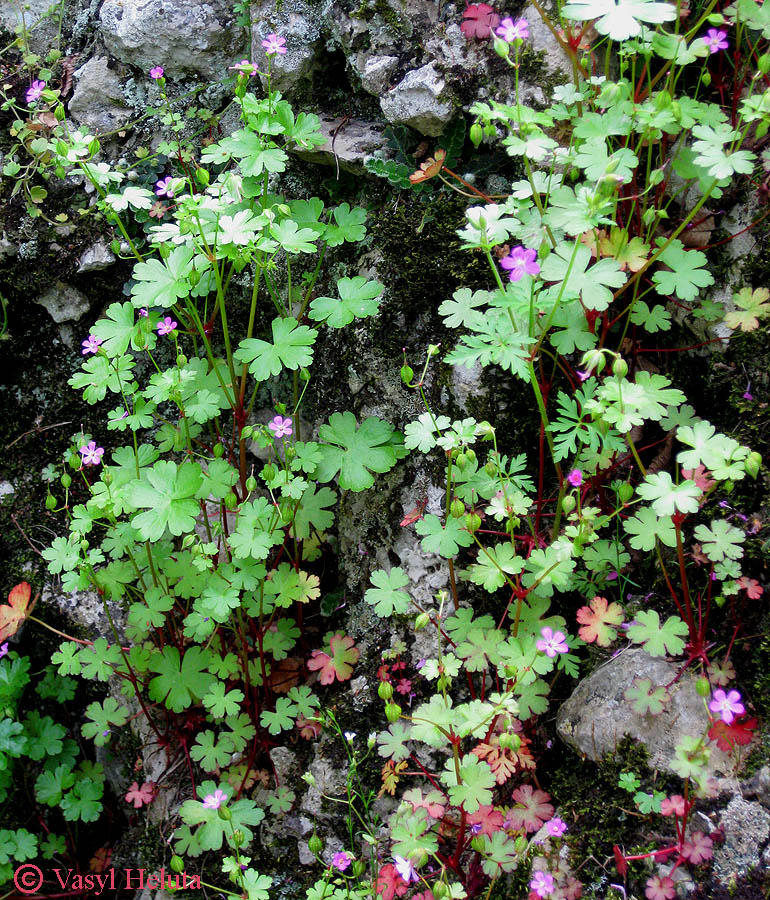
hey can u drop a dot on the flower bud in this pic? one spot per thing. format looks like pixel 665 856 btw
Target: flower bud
pixel 407 374
pixel 490 468
pixel 625 492
pixel 115 246
pixel 59 113
pixel 304 374
pixel 177 864
pixel 315 845
pixel 181 360
pixel 620 368
pixel 239 837
pixel 470 454
pixel 753 464
pixel 703 687
pixel 246 432
pixel 251 483
pixel 440 890
pixel 502 48
pixel 477 136
pixel 706 78
pixel 230 501
pixel 421 621
pixel 385 690
pixel 473 522
pixel 392 712
pixel 456 508
pixel 308 778
pixel 202 177
pixel 489 130
pixel 461 460
pixel 193 276
pixel 107 476
pixel 219 450
pixel 224 814
pixel 568 503
pixel 763 63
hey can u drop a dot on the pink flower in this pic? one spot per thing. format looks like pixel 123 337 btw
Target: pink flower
pixel 341 861
pixel 727 706
pixel 144 312
pixel 34 91
pixel 556 827
pixel 166 326
pixel 405 868
pixel 244 67
pixel 716 40
pixel 583 376
pixel 511 31
pixel 4 650
pixel 163 187
pixel 552 643
pixel 280 427
pixel 92 455
pixel 660 888
pixel 542 883
pixel 274 44
pixel 156 72
pixel 575 477
pixel 215 800
pixel 698 849
pixel 520 262
pixel 91 344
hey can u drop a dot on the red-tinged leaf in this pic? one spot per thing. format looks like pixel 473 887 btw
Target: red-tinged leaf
pixel 600 620
pixel 414 514
pixel 430 168
pixel 532 809
pixel 13 613
pixel 100 860
pixel 308 728
pixel 141 796
pixel 753 588
pixel 337 659
pixel 486 820
pixel 389 883
pixel 620 861
pixel 727 737
pixel 478 21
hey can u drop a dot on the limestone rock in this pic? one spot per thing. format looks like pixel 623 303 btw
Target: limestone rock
pixel 64 303
pixel 33 15
pixel 421 100
pixel 376 73
pixel 747 829
pixel 354 142
pixel 95 258
pixel 596 717
pixel 7 490
pixel 98 99
pixel 300 23
pixel 198 37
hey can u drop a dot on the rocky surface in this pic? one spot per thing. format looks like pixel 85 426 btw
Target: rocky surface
pixel 747 830
pixel 64 303
pixel 420 100
pixel 98 101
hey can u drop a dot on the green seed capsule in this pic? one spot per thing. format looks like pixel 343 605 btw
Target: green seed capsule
pixel 177 864
pixel 315 845
pixel 385 690
pixel 457 508
pixel 407 374
pixel 231 501
pixel 440 890
pixel 473 522
pixel 421 621
pixel 568 503
pixel 471 455
pixel 476 134
pixel 620 368
pixel 490 468
pixel 224 814
pixel 625 492
pixel 392 712
pixel 219 451
pixel 238 837
pixel 66 480
pixel 50 502
pixel 251 483
pixel 703 687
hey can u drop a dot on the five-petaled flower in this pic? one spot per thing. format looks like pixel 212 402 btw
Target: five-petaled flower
pixel 405 868
pixel 91 344
pixel 215 800
pixel 716 40
pixel 4 650
pixel 280 427
pixel 163 187
pixel 156 72
pixel 92 455
pixel 511 31
pixel 520 262
pixel 575 477
pixel 556 826
pixel 166 326
pixel 727 706
pixel 273 44
pixel 552 642
pixel 350 736
pixel 542 883
pixel 341 860
pixel 34 91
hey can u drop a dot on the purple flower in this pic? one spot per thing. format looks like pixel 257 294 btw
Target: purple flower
pixel 274 44
pixel 575 477
pixel 163 187
pixel 552 642
pixel 215 800
pixel 144 312
pixel 542 883
pixel 556 827
pixel 341 861
pixel 280 427
pixel 511 31
pixel 92 455
pixel 34 91
pixel 583 376
pixel 405 868
pixel 520 262
pixel 91 344
pixel 747 395
pixel 728 706
pixel 156 72
pixel 4 650
pixel 166 326
pixel 716 40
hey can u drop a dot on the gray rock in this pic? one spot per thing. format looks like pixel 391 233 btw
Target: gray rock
pixel 97 257
pixel 421 100
pixel 597 716
pixel 7 248
pixel 377 72
pixel 300 23
pixel 541 40
pixel 747 829
pixel 98 98
pixel 759 786
pixel 7 490
pixel 32 15
pixel 355 141
pixel 64 303
pixel 198 37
